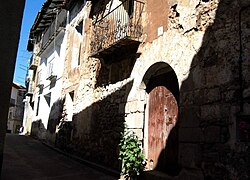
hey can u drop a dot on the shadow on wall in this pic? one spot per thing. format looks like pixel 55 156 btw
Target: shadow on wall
pixel 97 129
pixel 163 106
pixel 212 96
pixel 38 130
pixel 115 68
pixel 209 99
pixel 98 8
pixel 95 132
pixel 55 116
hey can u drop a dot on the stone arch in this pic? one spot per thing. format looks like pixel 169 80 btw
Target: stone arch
pixel 161 118
pixel 158 69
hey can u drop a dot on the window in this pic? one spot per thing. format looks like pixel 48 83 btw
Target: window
pixel 72 93
pixel 38 103
pixel 77 45
pixel 51 69
pixel 10 115
pixel 48 98
pixel 34 75
pixel 79 27
pixel 131 5
pixel 20 93
pixel 39 78
pixel 12 102
pixel 79 55
pixel 14 113
pixel 75 9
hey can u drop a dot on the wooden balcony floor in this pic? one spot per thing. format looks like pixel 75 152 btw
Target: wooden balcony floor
pixel 118 48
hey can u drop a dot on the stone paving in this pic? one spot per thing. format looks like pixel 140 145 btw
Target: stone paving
pixel 27 158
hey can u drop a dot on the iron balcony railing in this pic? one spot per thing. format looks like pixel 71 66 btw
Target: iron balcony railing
pixel 33 62
pixel 30 88
pixel 123 22
pixel 51 71
pixel 39 79
pixel 55 27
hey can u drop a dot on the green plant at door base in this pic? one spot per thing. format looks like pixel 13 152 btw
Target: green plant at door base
pixel 133 162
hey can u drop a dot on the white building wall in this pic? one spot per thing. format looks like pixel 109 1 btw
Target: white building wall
pixel 27 116
pixel 15 110
pixel 54 52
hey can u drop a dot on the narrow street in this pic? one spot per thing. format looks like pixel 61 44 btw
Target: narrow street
pixel 27 158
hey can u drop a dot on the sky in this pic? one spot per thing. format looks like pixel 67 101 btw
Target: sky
pixel 31 9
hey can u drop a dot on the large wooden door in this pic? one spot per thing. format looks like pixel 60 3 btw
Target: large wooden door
pixel 163 112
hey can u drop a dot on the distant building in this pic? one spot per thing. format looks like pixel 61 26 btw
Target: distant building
pixel 16 108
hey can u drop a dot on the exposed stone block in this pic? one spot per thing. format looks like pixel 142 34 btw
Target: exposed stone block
pixel 212 134
pixel 191 174
pixel 134 106
pixel 231 95
pixel 212 95
pixel 190 135
pixel 134 120
pixel 246 108
pixel 190 155
pixel 246 93
pixel 139 133
pixel 214 111
pixel 187 98
pixel 189 116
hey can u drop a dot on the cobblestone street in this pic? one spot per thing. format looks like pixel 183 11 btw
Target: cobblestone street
pixel 27 158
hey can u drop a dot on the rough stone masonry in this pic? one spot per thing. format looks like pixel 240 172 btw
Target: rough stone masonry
pixel 204 43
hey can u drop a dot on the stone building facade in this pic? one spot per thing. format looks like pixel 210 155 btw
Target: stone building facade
pixel 175 72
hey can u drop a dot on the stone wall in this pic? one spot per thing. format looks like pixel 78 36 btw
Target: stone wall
pixel 245 22
pixel 202 46
pixel 201 43
pixel 97 128
pixel 98 117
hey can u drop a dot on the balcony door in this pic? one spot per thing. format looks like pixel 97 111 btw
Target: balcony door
pixel 119 17
pixel 50 67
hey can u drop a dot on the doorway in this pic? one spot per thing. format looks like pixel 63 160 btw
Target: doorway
pixel 162 141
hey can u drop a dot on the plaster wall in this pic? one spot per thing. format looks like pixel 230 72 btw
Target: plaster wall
pixel 50 90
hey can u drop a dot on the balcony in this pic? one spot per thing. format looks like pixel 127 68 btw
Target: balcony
pixel 53 30
pixel 51 72
pixel 30 90
pixel 118 30
pixel 33 62
pixel 40 82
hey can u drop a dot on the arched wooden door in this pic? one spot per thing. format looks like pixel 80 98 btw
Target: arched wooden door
pixel 163 114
